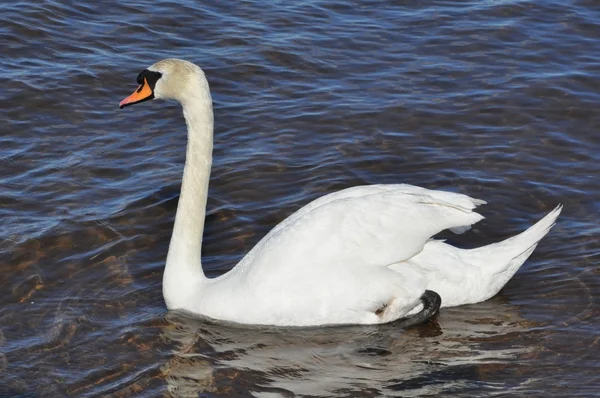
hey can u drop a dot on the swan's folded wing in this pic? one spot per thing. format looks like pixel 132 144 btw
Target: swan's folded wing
pixel 452 198
pixel 370 230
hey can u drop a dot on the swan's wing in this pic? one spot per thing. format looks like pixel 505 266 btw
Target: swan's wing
pixel 456 199
pixel 361 229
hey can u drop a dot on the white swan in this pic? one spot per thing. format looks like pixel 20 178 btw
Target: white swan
pixel 363 255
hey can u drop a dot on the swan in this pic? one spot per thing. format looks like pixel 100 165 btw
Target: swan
pixel 363 255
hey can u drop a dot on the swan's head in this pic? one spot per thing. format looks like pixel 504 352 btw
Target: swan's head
pixel 174 79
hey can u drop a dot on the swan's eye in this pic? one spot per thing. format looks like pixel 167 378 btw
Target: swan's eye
pixel 150 76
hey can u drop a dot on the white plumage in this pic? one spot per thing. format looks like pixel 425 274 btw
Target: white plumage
pixel 363 255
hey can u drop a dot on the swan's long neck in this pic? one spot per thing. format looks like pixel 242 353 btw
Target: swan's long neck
pixel 183 272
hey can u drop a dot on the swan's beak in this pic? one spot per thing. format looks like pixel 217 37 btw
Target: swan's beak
pixel 143 93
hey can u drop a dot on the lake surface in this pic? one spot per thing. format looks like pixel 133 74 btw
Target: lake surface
pixel 496 99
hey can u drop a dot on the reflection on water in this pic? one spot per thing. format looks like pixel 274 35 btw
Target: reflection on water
pixel 495 99
pixel 451 354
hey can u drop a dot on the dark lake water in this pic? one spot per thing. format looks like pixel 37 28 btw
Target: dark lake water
pixel 496 99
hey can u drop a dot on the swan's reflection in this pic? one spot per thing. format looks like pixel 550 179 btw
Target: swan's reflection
pixel 452 352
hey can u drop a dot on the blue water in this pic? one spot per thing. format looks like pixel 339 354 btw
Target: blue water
pixel 494 99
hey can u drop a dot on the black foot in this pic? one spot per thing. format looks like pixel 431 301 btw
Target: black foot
pixel 431 305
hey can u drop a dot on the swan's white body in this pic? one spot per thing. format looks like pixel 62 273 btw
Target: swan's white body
pixel 363 255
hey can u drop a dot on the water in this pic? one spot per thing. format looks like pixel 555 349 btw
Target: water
pixel 495 99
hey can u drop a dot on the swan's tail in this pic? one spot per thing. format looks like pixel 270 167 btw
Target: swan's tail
pixel 467 276
pixel 503 259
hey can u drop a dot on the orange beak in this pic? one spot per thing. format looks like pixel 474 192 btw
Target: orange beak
pixel 143 93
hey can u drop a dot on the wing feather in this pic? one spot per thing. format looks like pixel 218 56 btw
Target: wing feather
pixel 360 227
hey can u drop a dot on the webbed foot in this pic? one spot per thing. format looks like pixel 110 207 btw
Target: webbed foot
pixel 431 305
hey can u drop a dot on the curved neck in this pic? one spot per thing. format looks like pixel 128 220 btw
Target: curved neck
pixel 183 271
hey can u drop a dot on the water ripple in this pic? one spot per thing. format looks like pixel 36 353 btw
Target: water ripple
pixel 496 99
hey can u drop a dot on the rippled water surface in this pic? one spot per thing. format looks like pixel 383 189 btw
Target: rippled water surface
pixel 495 99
